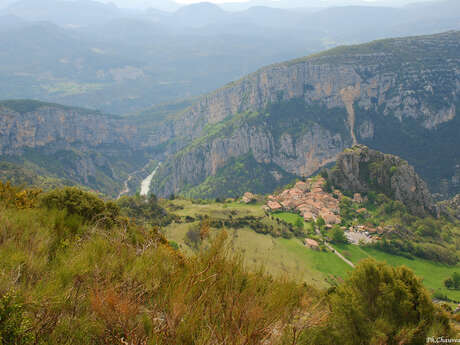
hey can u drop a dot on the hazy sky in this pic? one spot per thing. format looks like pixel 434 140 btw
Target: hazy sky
pixel 147 3
pixel 217 1
pixel 223 1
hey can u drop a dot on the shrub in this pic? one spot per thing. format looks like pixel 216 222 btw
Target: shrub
pixel 379 304
pixel 193 236
pixel 13 323
pixel 428 227
pixel 14 196
pixel 174 245
pixel 408 249
pixel 8 193
pixel 144 209
pixel 87 205
pixel 453 282
pixel 337 235
pixel 449 283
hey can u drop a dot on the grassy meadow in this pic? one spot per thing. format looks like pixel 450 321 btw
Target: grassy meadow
pixel 433 273
pixel 289 257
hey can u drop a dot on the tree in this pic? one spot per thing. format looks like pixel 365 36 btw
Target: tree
pixel 449 283
pixel 453 282
pixel 379 304
pixel 193 236
pixel 299 224
pixel 456 279
pixel 320 223
pixel 338 235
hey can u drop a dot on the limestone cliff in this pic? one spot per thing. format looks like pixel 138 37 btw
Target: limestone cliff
pixel 299 155
pixel 43 124
pixel 406 87
pixel 398 96
pixel 362 170
pixel 78 145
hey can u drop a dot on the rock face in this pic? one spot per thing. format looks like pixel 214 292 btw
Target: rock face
pixel 398 96
pixel 77 145
pixel 301 114
pixel 361 170
pixel 300 156
pixel 451 208
pixel 341 77
pixel 44 125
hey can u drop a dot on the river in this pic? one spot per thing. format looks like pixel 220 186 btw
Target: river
pixel 145 184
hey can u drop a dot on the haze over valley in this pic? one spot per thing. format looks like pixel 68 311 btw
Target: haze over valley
pixel 95 55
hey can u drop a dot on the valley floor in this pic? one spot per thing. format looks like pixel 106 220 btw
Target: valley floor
pixel 290 257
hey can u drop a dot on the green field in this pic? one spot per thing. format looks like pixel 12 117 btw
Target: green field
pixel 289 257
pixel 212 209
pixel 279 256
pixel 433 274
pixel 288 217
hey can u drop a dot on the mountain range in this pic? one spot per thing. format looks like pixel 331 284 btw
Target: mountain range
pixel 399 96
pixel 284 121
pixel 99 56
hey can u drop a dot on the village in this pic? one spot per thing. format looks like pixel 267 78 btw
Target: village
pixel 310 200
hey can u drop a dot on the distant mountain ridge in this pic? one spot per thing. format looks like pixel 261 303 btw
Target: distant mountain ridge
pixel 86 53
pixel 399 96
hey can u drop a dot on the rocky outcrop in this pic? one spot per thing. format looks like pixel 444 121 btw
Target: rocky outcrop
pixel 361 170
pixel 377 87
pixel 78 145
pixel 62 127
pixel 451 208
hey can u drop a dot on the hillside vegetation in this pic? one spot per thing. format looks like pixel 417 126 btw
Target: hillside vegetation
pixel 76 270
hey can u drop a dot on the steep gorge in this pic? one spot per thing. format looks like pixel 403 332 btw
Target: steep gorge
pixel 398 96
pixel 72 145
pixel 395 95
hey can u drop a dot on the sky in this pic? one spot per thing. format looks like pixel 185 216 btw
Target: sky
pixel 224 1
pixel 151 3
pixel 221 1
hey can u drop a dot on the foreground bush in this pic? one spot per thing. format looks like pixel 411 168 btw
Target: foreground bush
pixel 144 209
pixel 86 205
pixel 380 304
pixel 128 286
pixel 18 197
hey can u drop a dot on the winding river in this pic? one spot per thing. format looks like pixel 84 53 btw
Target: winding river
pixel 145 184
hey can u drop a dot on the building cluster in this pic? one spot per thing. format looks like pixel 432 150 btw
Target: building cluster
pixel 309 200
